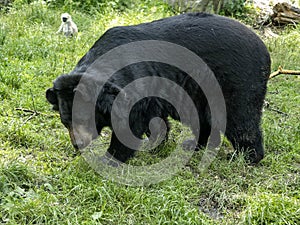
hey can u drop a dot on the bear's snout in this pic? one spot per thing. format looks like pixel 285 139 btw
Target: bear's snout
pixel 80 136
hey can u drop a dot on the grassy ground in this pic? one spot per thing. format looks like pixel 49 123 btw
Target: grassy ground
pixel 44 181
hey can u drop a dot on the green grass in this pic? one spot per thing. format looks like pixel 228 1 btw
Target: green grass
pixel 43 180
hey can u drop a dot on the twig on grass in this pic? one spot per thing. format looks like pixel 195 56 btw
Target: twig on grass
pixel 282 71
pixel 275 74
pixel 278 111
pixel 35 113
pixel 267 106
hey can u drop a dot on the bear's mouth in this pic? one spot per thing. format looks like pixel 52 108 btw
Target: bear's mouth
pixel 81 137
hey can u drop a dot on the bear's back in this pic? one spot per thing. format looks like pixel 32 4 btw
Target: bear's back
pixel 221 42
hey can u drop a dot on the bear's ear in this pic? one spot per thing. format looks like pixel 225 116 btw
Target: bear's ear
pixel 51 96
pixel 66 82
pixel 82 91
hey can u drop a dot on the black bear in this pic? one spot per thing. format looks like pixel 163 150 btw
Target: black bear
pixel 236 55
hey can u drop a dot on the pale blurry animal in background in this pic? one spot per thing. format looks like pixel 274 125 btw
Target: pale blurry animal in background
pixel 67 27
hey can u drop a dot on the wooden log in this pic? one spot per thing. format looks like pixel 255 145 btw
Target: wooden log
pixel 284 13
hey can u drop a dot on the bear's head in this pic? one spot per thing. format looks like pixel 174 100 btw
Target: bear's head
pixel 80 112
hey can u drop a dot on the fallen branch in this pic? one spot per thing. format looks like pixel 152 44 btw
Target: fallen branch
pixel 267 106
pixel 282 71
pixel 35 113
pixel 277 111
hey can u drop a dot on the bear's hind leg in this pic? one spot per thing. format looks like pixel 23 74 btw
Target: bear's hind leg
pixel 205 129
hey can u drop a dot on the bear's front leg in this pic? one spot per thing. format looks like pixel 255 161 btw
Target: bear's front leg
pixel 205 130
pixel 118 150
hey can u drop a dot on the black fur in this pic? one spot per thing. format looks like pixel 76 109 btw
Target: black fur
pixel 236 55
